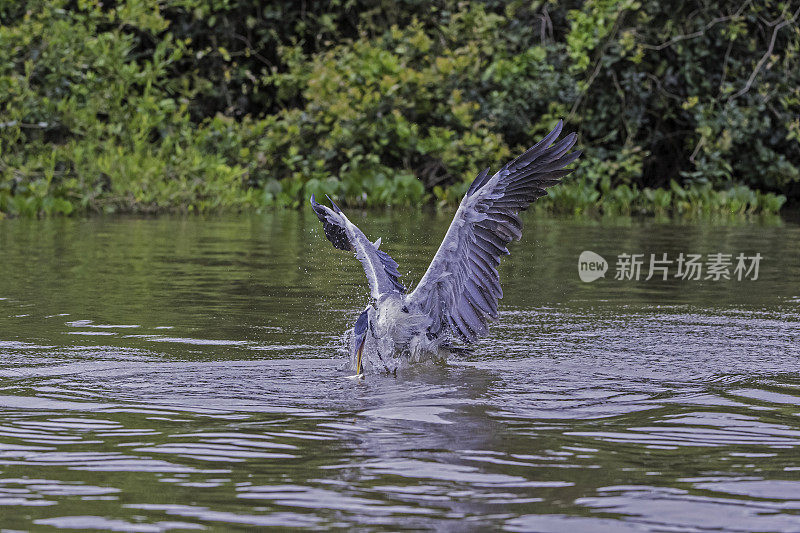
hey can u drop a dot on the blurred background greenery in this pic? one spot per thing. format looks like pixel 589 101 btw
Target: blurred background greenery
pixel 201 105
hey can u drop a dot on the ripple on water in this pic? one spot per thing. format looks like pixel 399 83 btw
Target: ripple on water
pixel 675 508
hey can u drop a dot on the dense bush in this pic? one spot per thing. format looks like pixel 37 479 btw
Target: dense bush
pixel 210 104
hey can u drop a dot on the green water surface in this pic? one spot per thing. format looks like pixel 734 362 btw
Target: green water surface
pixel 174 374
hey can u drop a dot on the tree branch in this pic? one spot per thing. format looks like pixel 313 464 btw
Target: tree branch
pixel 697 33
pixel 764 58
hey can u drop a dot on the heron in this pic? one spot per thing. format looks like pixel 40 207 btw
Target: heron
pixel 457 297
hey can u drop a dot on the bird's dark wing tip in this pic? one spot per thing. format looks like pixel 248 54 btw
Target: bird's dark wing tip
pixel 479 181
pixel 335 207
pixel 334 231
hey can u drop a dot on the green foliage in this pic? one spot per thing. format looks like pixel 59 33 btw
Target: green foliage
pixel 590 27
pixel 387 116
pixel 201 105
pixel 88 125
pixel 708 92
pixel 578 197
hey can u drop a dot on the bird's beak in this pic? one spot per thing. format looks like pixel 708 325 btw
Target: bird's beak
pixel 359 353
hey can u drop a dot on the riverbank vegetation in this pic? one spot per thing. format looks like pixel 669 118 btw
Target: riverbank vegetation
pixel 204 105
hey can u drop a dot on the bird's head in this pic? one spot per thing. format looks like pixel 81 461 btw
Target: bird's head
pixel 381 328
pixel 361 330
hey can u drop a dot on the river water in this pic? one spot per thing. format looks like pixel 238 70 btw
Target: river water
pixel 177 374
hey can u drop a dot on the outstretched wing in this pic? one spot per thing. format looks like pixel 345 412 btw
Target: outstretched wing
pixel 381 269
pixel 461 287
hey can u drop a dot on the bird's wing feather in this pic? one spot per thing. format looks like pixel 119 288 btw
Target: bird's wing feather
pixel 380 268
pixel 461 287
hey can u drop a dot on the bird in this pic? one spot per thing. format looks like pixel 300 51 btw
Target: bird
pixel 457 298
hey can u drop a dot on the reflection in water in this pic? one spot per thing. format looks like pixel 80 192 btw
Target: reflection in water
pixel 182 374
